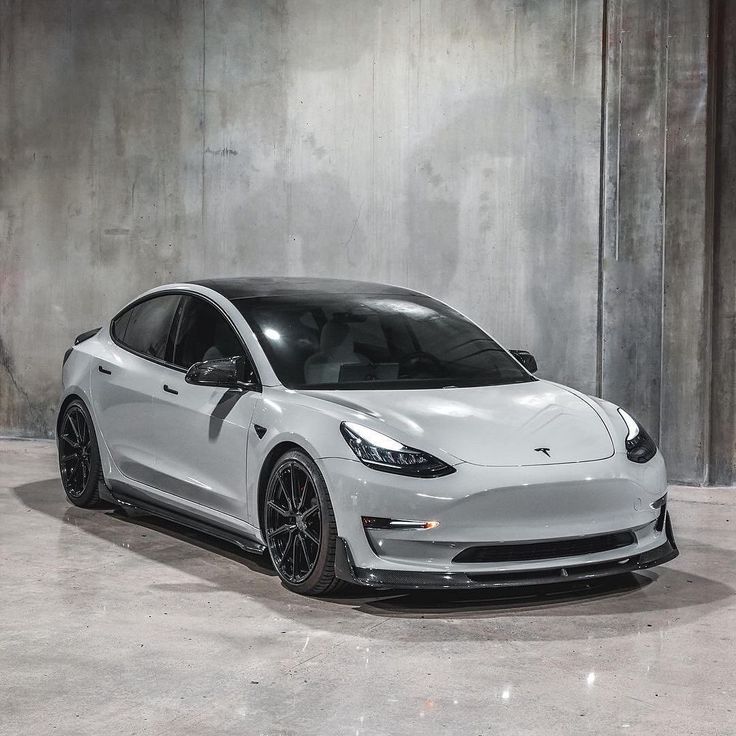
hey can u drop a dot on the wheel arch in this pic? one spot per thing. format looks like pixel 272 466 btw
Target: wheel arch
pixel 105 458
pixel 267 466
pixel 68 400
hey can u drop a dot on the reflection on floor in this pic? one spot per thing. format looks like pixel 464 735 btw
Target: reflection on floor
pixel 140 626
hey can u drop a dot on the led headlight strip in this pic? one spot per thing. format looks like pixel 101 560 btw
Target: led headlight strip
pixel 640 447
pixel 380 452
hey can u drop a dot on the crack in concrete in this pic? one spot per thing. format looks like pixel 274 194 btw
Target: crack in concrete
pixel 355 225
pixel 7 362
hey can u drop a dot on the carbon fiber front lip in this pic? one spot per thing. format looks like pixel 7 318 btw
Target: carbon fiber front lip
pixel 411 580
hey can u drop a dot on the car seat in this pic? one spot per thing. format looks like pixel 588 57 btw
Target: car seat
pixel 336 350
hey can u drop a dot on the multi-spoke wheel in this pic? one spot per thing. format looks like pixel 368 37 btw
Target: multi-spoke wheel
pixel 299 525
pixel 79 458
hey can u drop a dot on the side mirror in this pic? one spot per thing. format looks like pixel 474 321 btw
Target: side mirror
pixel 235 373
pixel 526 359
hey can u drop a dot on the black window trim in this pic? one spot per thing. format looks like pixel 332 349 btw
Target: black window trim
pixel 257 386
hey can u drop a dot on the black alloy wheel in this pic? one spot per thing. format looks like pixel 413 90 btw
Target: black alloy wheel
pixel 299 525
pixel 79 458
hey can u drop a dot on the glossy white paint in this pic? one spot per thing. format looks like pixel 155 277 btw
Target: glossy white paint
pixel 490 425
pixel 197 451
pixel 202 458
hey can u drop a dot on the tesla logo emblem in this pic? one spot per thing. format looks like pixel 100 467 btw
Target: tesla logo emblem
pixel 545 450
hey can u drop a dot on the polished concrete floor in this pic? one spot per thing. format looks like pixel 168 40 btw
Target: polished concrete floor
pixel 112 625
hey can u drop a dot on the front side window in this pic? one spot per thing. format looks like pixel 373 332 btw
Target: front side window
pixel 348 341
pixel 203 333
pixel 144 328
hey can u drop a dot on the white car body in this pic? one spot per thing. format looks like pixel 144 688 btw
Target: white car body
pixel 535 463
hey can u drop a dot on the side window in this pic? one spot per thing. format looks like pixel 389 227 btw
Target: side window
pixel 203 334
pixel 145 327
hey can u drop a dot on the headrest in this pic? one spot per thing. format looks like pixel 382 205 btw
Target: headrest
pixel 336 337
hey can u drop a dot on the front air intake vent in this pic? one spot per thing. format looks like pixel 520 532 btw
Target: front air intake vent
pixel 546 550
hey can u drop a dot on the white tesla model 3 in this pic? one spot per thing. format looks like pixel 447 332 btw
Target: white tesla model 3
pixel 357 432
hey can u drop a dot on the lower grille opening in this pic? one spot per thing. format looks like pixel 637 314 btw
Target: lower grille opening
pixel 557 573
pixel 546 550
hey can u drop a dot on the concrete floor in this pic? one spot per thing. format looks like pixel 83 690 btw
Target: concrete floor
pixel 139 627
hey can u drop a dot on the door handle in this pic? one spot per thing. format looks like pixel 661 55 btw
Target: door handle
pixel 170 390
pixel 104 370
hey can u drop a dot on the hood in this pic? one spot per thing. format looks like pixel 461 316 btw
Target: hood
pixel 489 425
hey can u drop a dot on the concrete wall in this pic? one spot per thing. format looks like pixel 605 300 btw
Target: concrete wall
pixel 454 147
pixel 723 383
pixel 656 252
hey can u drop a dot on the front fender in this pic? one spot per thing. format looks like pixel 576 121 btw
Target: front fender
pixel 288 417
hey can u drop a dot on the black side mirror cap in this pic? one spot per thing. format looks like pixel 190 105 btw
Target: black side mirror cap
pixel 526 359
pixel 234 373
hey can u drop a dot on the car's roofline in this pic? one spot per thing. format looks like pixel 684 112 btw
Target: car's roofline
pixel 261 286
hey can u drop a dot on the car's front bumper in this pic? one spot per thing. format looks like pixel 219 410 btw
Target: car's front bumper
pixel 346 569
pixel 504 509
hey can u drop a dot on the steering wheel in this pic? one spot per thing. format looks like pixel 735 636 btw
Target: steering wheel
pixel 419 364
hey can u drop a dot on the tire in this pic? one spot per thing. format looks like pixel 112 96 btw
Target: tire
pixel 299 526
pixel 79 457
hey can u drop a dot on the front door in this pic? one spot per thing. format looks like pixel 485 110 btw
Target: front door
pixel 202 430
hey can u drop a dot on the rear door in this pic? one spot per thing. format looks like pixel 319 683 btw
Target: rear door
pixel 202 430
pixel 123 379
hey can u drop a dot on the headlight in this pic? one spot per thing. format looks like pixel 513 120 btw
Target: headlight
pixel 640 447
pixel 380 452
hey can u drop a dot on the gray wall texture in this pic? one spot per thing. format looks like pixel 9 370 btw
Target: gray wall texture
pixel 540 165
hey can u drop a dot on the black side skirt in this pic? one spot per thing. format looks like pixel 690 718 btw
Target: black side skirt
pixel 125 498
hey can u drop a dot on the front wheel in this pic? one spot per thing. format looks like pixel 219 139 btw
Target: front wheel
pixel 299 526
pixel 79 457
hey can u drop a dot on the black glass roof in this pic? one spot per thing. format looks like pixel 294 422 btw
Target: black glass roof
pixel 243 288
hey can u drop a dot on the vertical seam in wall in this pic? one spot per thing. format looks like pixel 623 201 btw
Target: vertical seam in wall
pixel 204 132
pixel 602 201
pixel 373 155
pixel 575 39
pixel 618 118
pixel 712 227
pixel 665 138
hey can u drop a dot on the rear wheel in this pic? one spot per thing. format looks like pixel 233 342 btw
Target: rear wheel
pixel 299 526
pixel 79 457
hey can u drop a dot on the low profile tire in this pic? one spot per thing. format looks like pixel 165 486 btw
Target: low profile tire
pixel 299 525
pixel 79 456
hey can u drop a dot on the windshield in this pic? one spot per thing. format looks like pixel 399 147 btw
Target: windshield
pixel 344 341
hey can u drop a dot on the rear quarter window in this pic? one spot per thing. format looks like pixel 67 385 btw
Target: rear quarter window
pixel 119 325
pixel 144 328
